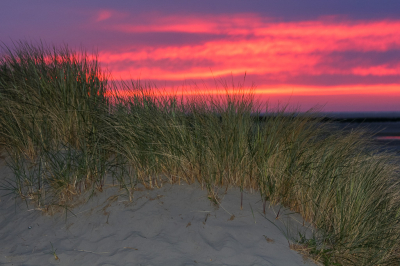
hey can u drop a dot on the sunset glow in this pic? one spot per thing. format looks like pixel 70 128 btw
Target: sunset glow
pixel 290 49
pixel 272 53
pixel 332 58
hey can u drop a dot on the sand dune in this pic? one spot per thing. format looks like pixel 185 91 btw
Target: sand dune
pixel 173 225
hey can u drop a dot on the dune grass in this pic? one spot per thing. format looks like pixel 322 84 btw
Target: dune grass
pixel 66 128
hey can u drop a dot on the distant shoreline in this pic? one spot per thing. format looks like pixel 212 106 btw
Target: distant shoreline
pixel 360 117
pixel 350 117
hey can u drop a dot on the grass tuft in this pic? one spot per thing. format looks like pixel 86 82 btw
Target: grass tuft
pixel 66 128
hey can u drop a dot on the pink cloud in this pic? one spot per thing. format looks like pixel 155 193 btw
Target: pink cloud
pixel 106 14
pixel 103 15
pixel 248 43
pixel 295 48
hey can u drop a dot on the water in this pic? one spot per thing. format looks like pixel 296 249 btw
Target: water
pixel 385 126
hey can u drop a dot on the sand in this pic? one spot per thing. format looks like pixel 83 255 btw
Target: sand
pixel 173 225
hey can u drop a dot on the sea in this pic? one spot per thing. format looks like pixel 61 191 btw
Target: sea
pixel 384 126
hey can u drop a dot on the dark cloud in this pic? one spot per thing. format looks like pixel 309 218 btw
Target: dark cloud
pixel 286 10
pixel 336 80
pixel 158 39
pixel 165 64
pixel 350 59
pixel 335 103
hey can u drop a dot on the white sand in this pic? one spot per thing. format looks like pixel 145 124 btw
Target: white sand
pixel 174 225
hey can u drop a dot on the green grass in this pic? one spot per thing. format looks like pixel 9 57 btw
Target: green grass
pixel 66 128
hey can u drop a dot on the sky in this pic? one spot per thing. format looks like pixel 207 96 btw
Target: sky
pixel 341 56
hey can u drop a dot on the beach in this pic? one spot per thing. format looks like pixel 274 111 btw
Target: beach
pixel 106 173
pixel 173 225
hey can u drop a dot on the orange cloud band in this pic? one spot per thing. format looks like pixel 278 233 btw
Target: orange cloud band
pixel 380 89
pixel 263 47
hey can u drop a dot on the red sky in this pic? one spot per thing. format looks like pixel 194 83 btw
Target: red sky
pixel 341 58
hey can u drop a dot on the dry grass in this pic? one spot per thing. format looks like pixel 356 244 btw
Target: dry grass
pixel 66 128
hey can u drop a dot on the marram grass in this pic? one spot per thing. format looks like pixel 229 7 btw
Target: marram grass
pixel 66 128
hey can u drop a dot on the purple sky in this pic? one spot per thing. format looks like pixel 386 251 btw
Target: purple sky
pixel 340 54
